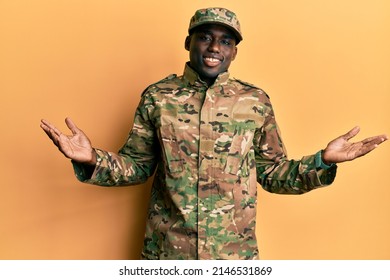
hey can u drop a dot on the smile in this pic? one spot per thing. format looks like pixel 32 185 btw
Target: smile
pixel 212 61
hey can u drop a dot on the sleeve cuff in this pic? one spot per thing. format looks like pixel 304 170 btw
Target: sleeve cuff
pixel 319 163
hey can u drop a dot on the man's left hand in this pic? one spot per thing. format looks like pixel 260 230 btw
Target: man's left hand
pixel 340 149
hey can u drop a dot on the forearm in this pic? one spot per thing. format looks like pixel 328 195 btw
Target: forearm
pixel 114 170
pixel 295 177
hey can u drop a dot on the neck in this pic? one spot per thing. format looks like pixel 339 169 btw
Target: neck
pixel 208 81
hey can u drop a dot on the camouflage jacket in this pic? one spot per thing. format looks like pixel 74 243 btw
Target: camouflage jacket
pixel 210 145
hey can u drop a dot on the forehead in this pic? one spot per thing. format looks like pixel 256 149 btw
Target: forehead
pixel 215 29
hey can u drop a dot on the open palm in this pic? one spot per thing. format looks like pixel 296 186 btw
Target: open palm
pixel 76 146
pixel 340 149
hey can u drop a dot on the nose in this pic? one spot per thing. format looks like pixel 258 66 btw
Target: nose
pixel 214 46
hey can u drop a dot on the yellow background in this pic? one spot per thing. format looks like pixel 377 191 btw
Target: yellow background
pixel 325 64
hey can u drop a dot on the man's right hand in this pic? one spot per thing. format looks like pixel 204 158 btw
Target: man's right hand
pixel 76 146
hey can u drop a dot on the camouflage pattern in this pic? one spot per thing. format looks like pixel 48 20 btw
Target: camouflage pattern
pixel 217 16
pixel 211 146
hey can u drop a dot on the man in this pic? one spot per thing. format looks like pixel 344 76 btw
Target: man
pixel 211 138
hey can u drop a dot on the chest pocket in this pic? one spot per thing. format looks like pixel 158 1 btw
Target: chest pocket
pixel 237 162
pixel 170 148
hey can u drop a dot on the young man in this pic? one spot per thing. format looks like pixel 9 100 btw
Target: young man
pixel 211 138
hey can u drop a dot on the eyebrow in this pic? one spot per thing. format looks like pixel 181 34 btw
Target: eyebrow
pixel 208 32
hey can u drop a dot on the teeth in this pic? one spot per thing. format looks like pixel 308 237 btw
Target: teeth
pixel 211 59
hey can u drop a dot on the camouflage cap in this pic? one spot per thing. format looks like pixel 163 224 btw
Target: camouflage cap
pixel 221 16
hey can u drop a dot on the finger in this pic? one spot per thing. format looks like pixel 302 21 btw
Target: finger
pixel 46 129
pixel 366 149
pixel 352 133
pixel 71 125
pixel 45 125
pixel 49 127
pixel 51 134
pixel 375 139
pixel 370 144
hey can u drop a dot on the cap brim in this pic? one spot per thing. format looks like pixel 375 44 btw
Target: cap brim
pixel 235 32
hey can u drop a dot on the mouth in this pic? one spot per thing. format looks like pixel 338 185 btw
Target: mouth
pixel 212 61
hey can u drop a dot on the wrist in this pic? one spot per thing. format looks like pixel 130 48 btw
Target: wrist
pixel 324 158
pixel 93 158
pixel 321 162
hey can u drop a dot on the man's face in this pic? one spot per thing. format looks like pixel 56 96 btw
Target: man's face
pixel 212 48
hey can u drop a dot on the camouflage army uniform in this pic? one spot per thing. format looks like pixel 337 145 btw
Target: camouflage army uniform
pixel 211 146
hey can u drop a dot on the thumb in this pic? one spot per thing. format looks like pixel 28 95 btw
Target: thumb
pixel 72 126
pixel 352 133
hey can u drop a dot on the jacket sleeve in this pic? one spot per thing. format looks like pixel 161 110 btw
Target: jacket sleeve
pixel 134 162
pixel 276 173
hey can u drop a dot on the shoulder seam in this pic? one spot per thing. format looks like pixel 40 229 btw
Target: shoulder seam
pixel 167 78
pixel 251 85
pixel 246 83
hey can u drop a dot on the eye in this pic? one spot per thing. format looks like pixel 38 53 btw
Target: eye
pixel 204 37
pixel 226 42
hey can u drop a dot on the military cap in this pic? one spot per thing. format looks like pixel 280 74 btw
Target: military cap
pixel 220 16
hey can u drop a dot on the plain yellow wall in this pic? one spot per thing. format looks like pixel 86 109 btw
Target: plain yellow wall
pixel 325 64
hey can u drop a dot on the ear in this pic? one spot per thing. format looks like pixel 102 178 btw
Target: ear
pixel 187 43
pixel 235 53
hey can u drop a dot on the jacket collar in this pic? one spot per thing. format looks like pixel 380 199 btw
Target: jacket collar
pixel 193 77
